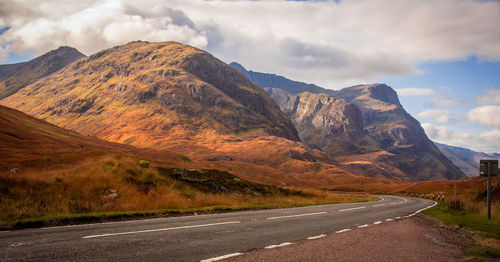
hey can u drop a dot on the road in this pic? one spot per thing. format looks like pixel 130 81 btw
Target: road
pixel 195 238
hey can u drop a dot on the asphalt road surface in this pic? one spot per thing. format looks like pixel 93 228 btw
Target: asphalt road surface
pixel 195 238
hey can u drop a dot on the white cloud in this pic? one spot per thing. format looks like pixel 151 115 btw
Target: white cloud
pixel 486 115
pixel 440 101
pixel 413 91
pixel 439 116
pixel 492 137
pixel 330 44
pixel 488 141
pixel 491 97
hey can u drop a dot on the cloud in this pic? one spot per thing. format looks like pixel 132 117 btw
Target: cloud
pixel 488 141
pixel 491 97
pixel 334 45
pixel 440 101
pixel 439 116
pixel 486 115
pixel 413 91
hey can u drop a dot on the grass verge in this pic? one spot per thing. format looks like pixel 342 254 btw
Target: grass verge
pixel 472 222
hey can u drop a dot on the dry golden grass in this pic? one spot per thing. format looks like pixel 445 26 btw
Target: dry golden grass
pixel 88 187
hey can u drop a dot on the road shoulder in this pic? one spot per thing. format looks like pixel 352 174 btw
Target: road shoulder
pixel 418 238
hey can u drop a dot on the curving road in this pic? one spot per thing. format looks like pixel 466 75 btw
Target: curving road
pixel 195 238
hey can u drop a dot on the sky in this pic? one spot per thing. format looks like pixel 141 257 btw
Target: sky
pixel 442 57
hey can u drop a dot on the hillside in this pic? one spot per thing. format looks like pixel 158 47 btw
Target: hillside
pixel 47 171
pixel 467 160
pixel 16 76
pixel 162 95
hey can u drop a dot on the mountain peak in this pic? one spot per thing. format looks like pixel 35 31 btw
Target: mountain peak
pixel 381 92
pixel 238 67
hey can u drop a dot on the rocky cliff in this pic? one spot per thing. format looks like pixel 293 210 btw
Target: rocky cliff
pixel 387 122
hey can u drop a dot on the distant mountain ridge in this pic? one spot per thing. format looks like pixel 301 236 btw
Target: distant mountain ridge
pixel 467 160
pixel 275 81
pixel 16 76
pixel 395 143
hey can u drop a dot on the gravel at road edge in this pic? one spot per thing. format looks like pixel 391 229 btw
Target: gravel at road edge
pixel 418 238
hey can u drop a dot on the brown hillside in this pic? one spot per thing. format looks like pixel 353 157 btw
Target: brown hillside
pixel 162 95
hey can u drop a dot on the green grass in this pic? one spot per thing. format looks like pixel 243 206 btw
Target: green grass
pixel 473 222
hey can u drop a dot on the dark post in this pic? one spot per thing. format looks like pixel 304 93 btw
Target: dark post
pixel 488 190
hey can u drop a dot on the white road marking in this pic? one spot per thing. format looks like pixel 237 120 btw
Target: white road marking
pixel 280 245
pixel 397 218
pixel 379 205
pixel 389 219
pixel 348 209
pixel 160 229
pixel 316 237
pixel 19 244
pixel 343 230
pixel 221 257
pixel 418 211
pixel 365 225
pixel 377 222
pixel 395 203
pixel 299 215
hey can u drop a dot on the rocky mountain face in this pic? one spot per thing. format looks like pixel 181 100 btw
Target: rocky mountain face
pixel 399 133
pixel 368 130
pixel 330 124
pixel 467 160
pixel 16 76
pixel 153 95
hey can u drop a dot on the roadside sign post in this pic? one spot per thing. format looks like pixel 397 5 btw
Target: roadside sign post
pixel 488 168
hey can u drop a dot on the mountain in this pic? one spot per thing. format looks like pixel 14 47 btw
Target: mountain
pixel 467 160
pixel 275 81
pixel 165 96
pixel 16 76
pixel 363 128
pixel 399 133
pixel 6 70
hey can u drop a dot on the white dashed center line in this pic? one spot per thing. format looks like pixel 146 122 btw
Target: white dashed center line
pixel 343 230
pixel 377 222
pixel 160 229
pixel 299 215
pixel 365 225
pixel 349 209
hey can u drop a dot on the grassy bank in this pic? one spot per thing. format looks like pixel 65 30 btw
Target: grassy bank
pixel 469 215
pixel 115 187
pixel 129 215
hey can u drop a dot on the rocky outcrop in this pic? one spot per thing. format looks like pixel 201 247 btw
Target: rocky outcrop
pixel 16 76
